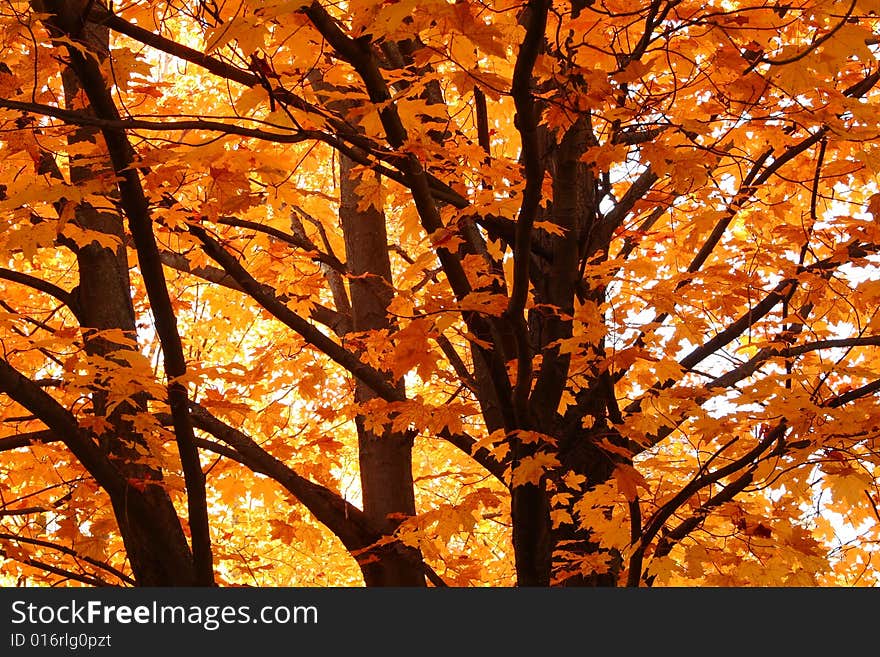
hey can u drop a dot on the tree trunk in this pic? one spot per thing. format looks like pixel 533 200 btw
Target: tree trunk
pixel 104 300
pixel 385 459
pixel 557 283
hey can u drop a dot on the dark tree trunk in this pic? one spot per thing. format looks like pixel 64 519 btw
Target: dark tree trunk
pixel 557 284
pixel 104 301
pixel 385 459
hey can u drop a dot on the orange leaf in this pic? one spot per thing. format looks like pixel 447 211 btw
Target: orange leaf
pixel 629 480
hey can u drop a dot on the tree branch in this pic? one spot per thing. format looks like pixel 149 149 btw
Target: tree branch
pixel 26 439
pixel 90 580
pixel 373 378
pixel 778 294
pixel 670 538
pixel 852 395
pixel 103 16
pixel 65 427
pixel 74 117
pixel 294 240
pixel 41 286
pixel 526 122
pixel 340 516
pixel 346 521
pixel 748 368
pixel 336 321
pixel 658 518
pixel 71 553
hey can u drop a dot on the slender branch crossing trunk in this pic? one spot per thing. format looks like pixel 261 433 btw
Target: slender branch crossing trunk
pixel 104 300
pixel 385 458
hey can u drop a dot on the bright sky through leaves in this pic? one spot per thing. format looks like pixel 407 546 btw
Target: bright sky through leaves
pixel 439 293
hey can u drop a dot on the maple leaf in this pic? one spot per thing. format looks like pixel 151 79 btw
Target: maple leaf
pixel 550 227
pixel 485 302
pixel 412 350
pixel 850 486
pixel 333 272
pixel 629 480
pixel 531 469
pixel 663 568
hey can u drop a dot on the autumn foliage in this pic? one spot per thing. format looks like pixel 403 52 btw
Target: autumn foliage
pixel 427 293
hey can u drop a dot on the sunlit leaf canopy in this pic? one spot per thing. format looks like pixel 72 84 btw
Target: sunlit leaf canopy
pixel 624 309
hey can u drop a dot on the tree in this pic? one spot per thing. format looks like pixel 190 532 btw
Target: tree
pixel 431 293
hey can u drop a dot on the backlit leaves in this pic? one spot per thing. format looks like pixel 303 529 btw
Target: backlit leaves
pixel 714 149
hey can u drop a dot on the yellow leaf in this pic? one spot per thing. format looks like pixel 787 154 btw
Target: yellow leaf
pixel 850 487
pixel 560 517
pixel 634 70
pixel 535 438
pixel 487 303
pixel 84 237
pixel 573 480
pixel 550 227
pixel 611 448
pixel 663 568
pixel 532 468
pixel 494 85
